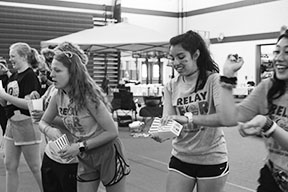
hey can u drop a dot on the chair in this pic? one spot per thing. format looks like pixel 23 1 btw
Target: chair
pixel 153 107
pixel 124 107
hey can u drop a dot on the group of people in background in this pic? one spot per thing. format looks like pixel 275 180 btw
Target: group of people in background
pixel 199 98
pixel 81 111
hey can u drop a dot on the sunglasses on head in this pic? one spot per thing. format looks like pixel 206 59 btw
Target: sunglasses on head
pixel 68 54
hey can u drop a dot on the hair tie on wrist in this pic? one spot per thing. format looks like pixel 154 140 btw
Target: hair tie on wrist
pixel 228 80
pixel 269 127
pixel 227 85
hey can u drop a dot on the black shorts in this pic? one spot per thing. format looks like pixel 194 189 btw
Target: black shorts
pixel 198 171
pixel 58 177
pixel 266 181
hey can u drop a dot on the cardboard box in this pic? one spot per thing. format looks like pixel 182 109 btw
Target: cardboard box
pixel 172 129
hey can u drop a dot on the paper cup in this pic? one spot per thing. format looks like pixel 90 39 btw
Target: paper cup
pixel 37 104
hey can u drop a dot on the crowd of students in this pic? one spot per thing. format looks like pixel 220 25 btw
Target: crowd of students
pixel 198 98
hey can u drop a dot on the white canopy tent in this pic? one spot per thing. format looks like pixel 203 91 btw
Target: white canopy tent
pixel 121 36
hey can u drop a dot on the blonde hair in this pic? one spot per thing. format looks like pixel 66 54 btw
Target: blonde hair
pixel 24 50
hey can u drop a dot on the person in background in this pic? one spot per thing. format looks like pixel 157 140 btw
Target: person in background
pixel 44 76
pixel 264 112
pixel 84 110
pixel 192 98
pixel 57 174
pixel 21 136
pixel 5 73
pixel 44 71
pixel 105 85
pixel 48 56
pixel 4 76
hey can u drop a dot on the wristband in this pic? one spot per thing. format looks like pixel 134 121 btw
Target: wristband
pixel 228 80
pixel 269 127
pixel 83 146
pixel 227 86
pixel 189 116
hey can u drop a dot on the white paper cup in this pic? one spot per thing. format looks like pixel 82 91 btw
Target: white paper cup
pixel 37 104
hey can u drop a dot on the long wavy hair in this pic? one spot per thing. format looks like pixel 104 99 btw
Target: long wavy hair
pixel 191 41
pixel 278 87
pixel 82 86
pixel 68 46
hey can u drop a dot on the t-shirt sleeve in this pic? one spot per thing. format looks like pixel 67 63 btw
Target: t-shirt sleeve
pixel 255 103
pixel 215 83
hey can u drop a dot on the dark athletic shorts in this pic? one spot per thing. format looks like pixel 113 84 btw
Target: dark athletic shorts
pixel 57 177
pixel 266 181
pixel 198 171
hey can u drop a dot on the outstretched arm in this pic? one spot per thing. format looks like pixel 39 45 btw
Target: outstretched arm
pixel 210 120
pixel 18 102
pixel 261 124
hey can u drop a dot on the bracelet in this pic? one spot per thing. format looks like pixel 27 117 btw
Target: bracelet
pixel 227 85
pixel 269 127
pixel 268 124
pixel 228 80
pixel 85 145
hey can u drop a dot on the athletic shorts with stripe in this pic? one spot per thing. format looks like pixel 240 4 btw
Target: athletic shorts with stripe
pixel 107 163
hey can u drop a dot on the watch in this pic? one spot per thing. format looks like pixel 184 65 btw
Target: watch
pixel 82 146
pixel 189 115
pixel 269 127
